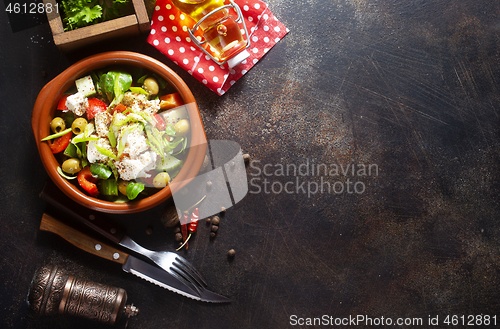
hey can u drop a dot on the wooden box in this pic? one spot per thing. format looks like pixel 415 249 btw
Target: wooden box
pixel 120 27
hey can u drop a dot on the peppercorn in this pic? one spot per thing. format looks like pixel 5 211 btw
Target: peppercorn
pixel 212 234
pixel 177 229
pixel 222 209
pixel 208 220
pixel 209 184
pixel 231 253
pixel 246 157
pixel 215 220
pixel 149 230
pixel 214 228
pixel 178 236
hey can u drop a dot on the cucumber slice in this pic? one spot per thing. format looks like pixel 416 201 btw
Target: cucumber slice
pixel 170 163
pixel 171 117
pixel 85 86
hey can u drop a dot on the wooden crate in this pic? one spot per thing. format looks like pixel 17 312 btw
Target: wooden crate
pixel 120 27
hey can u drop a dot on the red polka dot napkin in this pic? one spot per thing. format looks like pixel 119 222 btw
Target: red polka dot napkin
pixel 169 34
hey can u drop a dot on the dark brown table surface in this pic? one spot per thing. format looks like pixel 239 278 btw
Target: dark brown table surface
pixel 408 87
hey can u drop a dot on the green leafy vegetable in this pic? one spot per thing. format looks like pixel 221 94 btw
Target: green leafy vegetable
pixel 80 13
pixel 114 84
pixel 100 170
pixel 133 190
pixel 108 187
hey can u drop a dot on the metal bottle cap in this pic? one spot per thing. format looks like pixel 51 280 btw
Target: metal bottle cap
pixel 53 291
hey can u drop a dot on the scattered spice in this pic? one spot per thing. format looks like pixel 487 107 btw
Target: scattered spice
pixel 231 253
pixel 214 228
pixel 212 234
pixel 178 237
pixel 222 209
pixel 215 220
pixel 149 230
pixel 209 184
pixel 208 220
pixel 246 157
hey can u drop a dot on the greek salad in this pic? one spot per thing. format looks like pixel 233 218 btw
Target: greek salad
pixel 120 135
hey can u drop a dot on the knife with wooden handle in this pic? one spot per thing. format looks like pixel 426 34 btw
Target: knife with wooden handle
pixel 81 240
pixel 178 278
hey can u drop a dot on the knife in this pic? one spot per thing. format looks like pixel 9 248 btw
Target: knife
pixel 178 279
pixel 96 221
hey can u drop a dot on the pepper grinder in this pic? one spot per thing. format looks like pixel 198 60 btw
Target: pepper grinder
pixel 53 291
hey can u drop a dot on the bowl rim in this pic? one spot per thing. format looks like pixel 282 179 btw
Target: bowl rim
pixel 51 93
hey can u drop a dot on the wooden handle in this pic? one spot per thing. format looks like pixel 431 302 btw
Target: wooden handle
pixel 81 240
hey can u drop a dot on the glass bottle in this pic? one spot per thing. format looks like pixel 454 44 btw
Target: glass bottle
pixel 220 29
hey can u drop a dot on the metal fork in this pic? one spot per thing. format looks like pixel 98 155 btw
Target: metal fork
pixel 174 264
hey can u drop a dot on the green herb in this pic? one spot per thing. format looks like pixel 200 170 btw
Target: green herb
pixel 114 84
pixel 59 170
pixel 59 134
pixel 138 90
pixel 71 151
pixel 105 152
pixel 81 13
pixel 108 187
pixel 133 190
pixel 100 170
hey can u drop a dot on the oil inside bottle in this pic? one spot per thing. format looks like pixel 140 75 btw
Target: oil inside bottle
pixel 220 29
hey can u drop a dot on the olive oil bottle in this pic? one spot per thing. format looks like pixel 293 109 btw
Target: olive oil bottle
pixel 220 29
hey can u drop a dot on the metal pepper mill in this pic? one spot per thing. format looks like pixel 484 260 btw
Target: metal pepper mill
pixel 53 291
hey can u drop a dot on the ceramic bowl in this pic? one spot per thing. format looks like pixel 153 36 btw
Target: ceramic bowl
pixel 45 107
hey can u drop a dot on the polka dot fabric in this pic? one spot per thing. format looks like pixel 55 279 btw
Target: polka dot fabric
pixel 169 34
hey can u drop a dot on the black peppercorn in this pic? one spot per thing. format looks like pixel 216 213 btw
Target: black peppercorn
pixel 178 237
pixel 214 228
pixel 231 253
pixel 215 220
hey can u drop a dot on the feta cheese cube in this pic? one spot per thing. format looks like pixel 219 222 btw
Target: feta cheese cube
pixel 102 122
pixel 77 103
pixel 93 155
pixel 135 168
pixel 135 142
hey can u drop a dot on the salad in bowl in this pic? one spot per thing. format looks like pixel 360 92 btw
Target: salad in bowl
pixel 121 134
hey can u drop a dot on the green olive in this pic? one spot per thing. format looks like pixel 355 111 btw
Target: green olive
pixel 151 86
pixel 78 126
pixel 71 166
pixel 161 180
pixel 182 127
pixel 122 187
pixel 57 125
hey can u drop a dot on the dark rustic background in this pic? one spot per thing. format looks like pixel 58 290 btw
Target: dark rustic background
pixel 409 86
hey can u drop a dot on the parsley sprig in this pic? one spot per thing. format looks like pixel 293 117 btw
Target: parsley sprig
pixel 81 13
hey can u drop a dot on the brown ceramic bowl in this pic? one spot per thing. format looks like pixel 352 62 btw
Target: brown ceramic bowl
pixel 45 107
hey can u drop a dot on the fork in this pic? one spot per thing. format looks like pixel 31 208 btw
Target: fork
pixel 174 264
pixel 179 276
pixel 99 223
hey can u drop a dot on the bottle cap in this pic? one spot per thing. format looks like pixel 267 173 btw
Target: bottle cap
pixel 240 57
